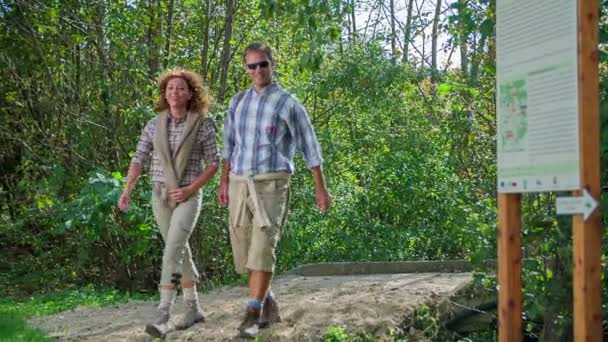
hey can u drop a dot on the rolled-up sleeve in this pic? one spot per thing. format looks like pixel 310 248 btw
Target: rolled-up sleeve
pixel 145 145
pixel 305 137
pixel 209 143
pixel 229 130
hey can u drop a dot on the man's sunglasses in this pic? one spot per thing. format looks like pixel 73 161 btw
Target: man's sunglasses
pixel 262 64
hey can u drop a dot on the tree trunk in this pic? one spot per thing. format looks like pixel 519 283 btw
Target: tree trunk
pixel 489 58
pixel 106 144
pixel 154 31
pixel 434 41
pixel 408 31
pixel 225 62
pixel 102 54
pixel 377 21
pixel 464 58
pixel 167 52
pixel 423 54
pixel 205 49
pixel 491 55
pixel 476 60
pixel 218 30
pixel 353 22
pixel 393 31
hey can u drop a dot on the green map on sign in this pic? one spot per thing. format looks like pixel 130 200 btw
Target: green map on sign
pixel 513 105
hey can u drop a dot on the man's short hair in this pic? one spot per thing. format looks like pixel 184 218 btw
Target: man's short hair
pixel 257 46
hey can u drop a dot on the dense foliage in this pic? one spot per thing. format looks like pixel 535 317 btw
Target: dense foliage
pixel 409 146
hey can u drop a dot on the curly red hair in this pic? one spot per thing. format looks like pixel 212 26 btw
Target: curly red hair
pixel 200 101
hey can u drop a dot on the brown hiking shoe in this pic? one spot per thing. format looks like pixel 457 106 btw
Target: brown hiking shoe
pixel 270 313
pixel 249 327
pixel 193 315
pixel 158 327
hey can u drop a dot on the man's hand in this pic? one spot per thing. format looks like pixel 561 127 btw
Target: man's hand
pixel 323 199
pixel 123 201
pixel 222 192
pixel 181 194
pixel 321 194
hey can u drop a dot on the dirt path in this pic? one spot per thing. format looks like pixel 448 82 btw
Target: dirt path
pixel 309 305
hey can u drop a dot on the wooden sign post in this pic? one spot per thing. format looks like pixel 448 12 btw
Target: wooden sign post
pixel 587 235
pixel 509 267
pixel 548 139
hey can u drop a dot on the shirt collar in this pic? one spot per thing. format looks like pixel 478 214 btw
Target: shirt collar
pixel 176 120
pixel 269 89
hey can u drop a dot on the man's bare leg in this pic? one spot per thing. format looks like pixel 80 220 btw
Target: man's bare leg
pixel 259 284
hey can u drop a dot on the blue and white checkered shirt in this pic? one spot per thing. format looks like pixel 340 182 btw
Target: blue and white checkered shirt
pixel 262 132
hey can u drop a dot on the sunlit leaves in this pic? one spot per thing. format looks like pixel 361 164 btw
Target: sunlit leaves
pixel 316 24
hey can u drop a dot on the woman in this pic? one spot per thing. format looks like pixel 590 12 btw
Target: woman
pixel 178 140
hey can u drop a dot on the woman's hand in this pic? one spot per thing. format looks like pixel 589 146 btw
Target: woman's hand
pixel 134 172
pixel 181 194
pixel 123 201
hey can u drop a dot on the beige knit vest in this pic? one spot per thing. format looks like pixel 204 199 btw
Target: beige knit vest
pixel 173 165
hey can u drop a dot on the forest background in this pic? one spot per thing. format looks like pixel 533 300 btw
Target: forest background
pixel 401 93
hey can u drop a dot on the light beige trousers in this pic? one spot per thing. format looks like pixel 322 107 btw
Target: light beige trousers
pixel 176 226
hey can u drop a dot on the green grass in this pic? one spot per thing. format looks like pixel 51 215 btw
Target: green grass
pixel 14 328
pixel 15 310
pixel 336 334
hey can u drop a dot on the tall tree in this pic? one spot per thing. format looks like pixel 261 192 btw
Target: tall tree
pixel 168 38
pixel 463 38
pixel 226 52
pixel 153 37
pixel 103 56
pixel 205 35
pixel 408 31
pixel 435 36
pixel 485 46
pixel 393 31
pixel 353 20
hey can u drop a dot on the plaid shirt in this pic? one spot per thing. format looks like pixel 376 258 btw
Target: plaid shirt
pixel 262 132
pixel 203 149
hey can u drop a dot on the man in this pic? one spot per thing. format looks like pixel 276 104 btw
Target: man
pixel 264 126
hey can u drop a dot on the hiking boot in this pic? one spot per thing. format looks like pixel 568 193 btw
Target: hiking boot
pixel 193 315
pixel 158 327
pixel 249 327
pixel 270 313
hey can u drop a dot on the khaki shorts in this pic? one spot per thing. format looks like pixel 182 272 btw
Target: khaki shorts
pixel 258 209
